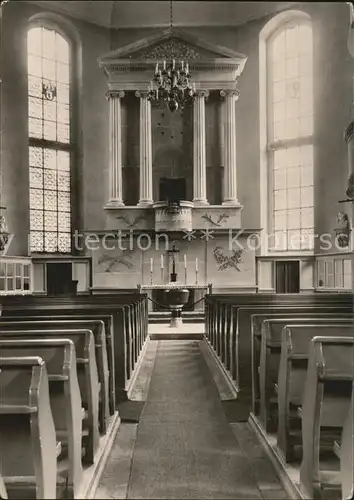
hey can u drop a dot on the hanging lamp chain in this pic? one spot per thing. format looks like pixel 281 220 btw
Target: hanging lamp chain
pixel 171 30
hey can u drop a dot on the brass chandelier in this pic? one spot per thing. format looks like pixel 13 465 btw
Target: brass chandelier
pixel 172 81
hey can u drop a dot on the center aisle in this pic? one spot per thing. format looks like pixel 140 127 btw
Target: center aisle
pixel 185 447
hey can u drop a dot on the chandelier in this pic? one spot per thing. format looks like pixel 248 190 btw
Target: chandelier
pixel 172 81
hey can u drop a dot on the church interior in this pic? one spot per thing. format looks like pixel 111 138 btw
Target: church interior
pixel 176 250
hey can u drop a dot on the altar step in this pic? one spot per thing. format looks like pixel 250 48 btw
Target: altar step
pixel 185 331
pixel 187 317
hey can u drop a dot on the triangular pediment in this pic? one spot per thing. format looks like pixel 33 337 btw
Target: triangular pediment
pixel 158 47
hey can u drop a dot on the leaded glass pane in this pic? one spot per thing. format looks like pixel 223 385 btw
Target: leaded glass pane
pixel 293 177
pixel 294 240
pixel 64 161
pixel 35 108
pixel 50 200
pixel 280 240
pixel 49 44
pixel 35 128
pixel 63 181
pixel 293 219
pixel 49 130
pixel 50 221
pixel 50 179
pixel 50 241
pixel 63 73
pixel 50 158
pixel 293 198
pixel 36 198
pixel 36 220
pixel 63 93
pixel 64 242
pixel 279 220
pixel 64 222
pixel 36 177
pixel 63 53
pixel 50 110
pixel 35 156
pixel 63 202
pixel 34 41
pixel 63 133
pixel 280 200
pixel 34 65
pixel 49 69
pixel 36 239
pixel 307 218
pixel 35 87
pixel 63 113
pixel 280 179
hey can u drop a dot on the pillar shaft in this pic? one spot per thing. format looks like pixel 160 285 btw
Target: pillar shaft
pixel 199 152
pixel 115 147
pixel 145 198
pixel 229 156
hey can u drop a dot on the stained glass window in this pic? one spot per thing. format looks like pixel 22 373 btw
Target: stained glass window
pixel 290 131
pixel 50 146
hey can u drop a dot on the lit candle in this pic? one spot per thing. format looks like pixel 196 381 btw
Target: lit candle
pixel 157 93
pixel 161 261
pixel 151 264
pixel 185 261
pixel 157 68
pixel 187 68
pixel 164 64
pixel 173 64
pixel 196 265
pixel 182 65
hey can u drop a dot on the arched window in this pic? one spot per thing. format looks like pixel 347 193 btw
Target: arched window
pixel 50 139
pixel 289 136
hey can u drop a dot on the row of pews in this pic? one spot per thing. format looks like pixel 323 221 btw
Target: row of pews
pixel 65 365
pixel 291 358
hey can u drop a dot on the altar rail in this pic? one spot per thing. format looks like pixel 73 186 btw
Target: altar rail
pixel 16 276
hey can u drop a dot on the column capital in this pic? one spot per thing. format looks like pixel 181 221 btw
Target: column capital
pixel 115 94
pixel 230 93
pixel 143 94
pixel 202 93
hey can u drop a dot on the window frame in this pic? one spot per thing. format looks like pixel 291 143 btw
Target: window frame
pixel 71 147
pixel 274 28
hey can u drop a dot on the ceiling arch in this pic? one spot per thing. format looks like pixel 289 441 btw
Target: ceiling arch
pixel 156 14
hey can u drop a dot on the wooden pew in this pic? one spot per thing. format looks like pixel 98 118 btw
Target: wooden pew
pixel 217 305
pixel 3 492
pixel 27 431
pixel 108 329
pixel 98 305
pixel 326 402
pixel 292 377
pixel 256 336
pixel 98 330
pixel 64 393
pixel 87 378
pixel 270 361
pixel 345 452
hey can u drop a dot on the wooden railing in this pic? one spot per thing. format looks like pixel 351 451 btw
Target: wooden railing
pixel 16 276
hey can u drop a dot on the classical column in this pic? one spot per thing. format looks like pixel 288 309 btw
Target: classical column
pixel 199 156
pixel 115 147
pixel 230 170
pixel 145 198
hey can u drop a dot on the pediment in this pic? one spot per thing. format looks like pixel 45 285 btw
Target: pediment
pixel 158 47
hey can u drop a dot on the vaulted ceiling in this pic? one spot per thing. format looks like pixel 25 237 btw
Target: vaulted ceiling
pixel 135 14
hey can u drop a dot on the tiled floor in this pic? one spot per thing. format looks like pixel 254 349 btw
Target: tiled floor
pixel 183 446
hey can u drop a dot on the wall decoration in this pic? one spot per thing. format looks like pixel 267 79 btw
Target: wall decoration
pixel 131 223
pixel 350 187
pixel 226 261
pixel 115 260
pixel 343 230
pixel 222 217
pixel 181 51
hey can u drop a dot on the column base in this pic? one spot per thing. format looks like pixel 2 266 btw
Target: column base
pixel 145 203
pixel 114 204
pixel 200 202
pixel 233 202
